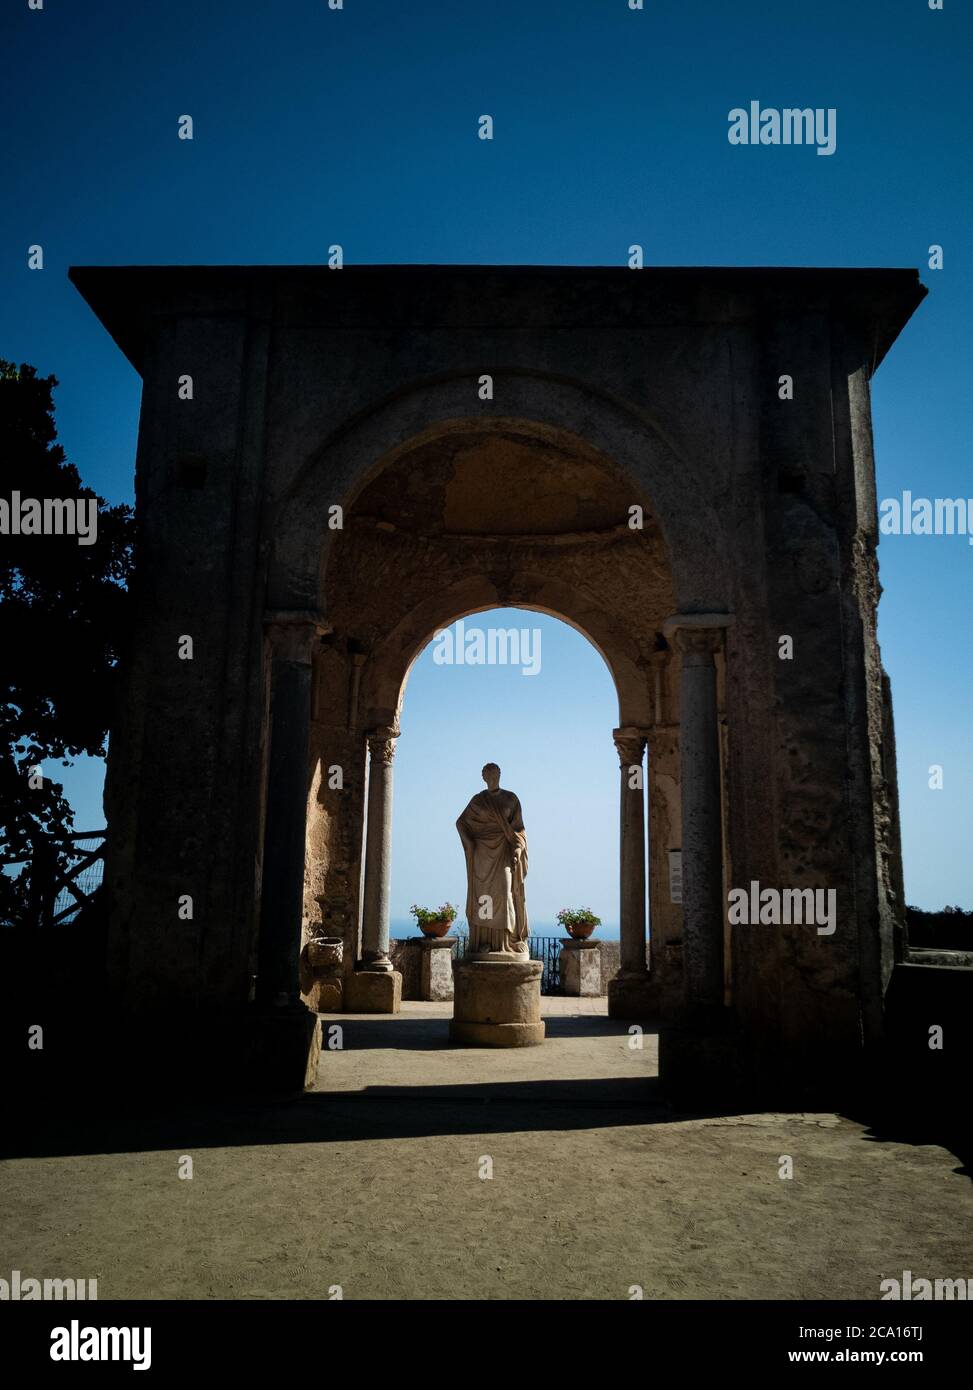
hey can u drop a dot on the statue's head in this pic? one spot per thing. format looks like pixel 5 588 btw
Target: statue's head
pixel 491 775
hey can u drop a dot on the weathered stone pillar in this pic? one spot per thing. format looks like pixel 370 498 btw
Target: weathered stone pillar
pixel 665 838
pixel 378 852
pixel 281 1044
pixel 291 637
pixel 631 756
pixel 374 986
pixel 698 637
pixel 703 1057
pixel 628 994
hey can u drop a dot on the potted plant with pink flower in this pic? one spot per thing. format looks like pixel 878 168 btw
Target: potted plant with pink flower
pixel 578 922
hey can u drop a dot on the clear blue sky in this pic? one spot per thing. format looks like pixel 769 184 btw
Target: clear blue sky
pixel 551 734
pixel 358 126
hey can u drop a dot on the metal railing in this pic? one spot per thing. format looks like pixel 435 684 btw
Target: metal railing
pixel 546 949
pixel 83 878
pixel 56 895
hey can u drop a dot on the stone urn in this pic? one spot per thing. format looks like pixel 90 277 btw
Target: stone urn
pixel 438 927
pixel 324 952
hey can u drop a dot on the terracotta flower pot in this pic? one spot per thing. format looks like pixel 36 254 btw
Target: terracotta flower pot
pixel 439 927
pixel 580 931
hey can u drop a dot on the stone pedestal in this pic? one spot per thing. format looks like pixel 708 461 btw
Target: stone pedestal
pixel 373 992
pixel 326 995
pixel 580 968
pixel 436 967
pixel 321 981
pixel 497 1002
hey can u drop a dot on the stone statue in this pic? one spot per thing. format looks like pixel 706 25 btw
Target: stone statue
pixel 492 831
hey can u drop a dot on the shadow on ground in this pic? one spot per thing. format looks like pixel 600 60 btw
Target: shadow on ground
pixel 336 1117
pixel 55 1116
pixel 918 1122
pixel 394 1112
pixel 432 1034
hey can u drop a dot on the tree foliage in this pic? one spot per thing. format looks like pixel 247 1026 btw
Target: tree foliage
pixel 63 623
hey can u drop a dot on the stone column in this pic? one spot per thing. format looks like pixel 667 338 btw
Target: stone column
pixel 698 637
pixel 631 756
pixel 378 852
pixel 665 835
pixel 628 992
pixel 291 636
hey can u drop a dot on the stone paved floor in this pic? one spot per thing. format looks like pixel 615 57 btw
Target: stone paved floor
pixel 375 1183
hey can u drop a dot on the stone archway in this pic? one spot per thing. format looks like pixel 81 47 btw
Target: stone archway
pixel 664 380
pixel 525 688
pixel 625 438
pixel 461 519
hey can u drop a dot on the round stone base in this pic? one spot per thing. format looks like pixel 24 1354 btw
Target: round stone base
pixel 497 1003
pixel 496 1034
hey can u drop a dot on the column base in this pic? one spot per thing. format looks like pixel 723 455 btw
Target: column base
pixel 497 1003
pixel 373 992
pixel 496 1034
pixel 709 1063
pixel 634 996
pixel 282 1048
pixel 376 962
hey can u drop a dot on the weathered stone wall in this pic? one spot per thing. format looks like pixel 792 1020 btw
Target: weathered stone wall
pixel 184 787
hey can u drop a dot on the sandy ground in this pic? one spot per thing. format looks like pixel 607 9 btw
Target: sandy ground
pixel 374 1183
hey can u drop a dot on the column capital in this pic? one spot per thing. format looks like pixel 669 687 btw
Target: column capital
pixel 381 743
pixel 630 743
pixel 697 634
pixel 292 633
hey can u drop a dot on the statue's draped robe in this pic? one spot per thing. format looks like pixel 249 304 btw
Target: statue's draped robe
pixel 492 831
